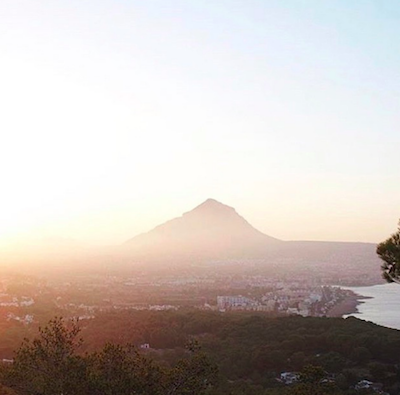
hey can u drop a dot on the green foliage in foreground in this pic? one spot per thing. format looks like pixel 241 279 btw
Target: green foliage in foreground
pixel 250 351
pixel 389 252
pixel 50 365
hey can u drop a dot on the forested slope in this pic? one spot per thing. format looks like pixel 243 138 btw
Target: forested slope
pixel 249 351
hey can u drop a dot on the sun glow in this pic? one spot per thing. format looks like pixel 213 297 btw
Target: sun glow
pixel 122 127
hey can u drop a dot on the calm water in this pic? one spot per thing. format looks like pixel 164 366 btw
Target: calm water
pixel 383 308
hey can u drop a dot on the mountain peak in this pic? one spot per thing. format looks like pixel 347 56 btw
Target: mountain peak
pixel 211 229
pixel 211 201
pixel 212 206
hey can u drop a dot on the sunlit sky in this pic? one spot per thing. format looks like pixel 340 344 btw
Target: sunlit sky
pixel 119 115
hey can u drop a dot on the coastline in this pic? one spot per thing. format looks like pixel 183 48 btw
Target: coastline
pixel 348 305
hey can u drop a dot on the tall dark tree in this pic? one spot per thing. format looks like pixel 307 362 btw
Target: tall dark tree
pixel 389 252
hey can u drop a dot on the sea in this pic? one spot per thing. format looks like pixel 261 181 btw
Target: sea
pixel 383 307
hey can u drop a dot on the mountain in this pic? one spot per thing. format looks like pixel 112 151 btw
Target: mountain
pixel 216 232
pixel 212 236
pixel 212 230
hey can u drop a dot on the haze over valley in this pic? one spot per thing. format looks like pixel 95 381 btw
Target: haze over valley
pixel 213 236
pixel 199 197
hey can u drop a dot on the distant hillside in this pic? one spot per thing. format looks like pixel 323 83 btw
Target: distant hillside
pixel 216 232
pixel 212 230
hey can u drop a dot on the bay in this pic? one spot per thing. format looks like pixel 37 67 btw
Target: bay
pixel 383 307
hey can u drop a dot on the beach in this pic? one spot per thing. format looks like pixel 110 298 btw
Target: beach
pixel 348 305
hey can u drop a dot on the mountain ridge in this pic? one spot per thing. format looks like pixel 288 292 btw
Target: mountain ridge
pixel 209 229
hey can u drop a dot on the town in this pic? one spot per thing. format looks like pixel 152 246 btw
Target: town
pixel 27 300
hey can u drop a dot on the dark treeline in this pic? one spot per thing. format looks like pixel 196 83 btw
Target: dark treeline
pixel 249 351
pixel 51 364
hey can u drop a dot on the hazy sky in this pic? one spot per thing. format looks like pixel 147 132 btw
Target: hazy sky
pixel 118 115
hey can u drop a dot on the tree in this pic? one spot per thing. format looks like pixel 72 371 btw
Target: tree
pixel 48 365
pixel 118 370
pixel 192 375
pixel 313 381
pixel 389 252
